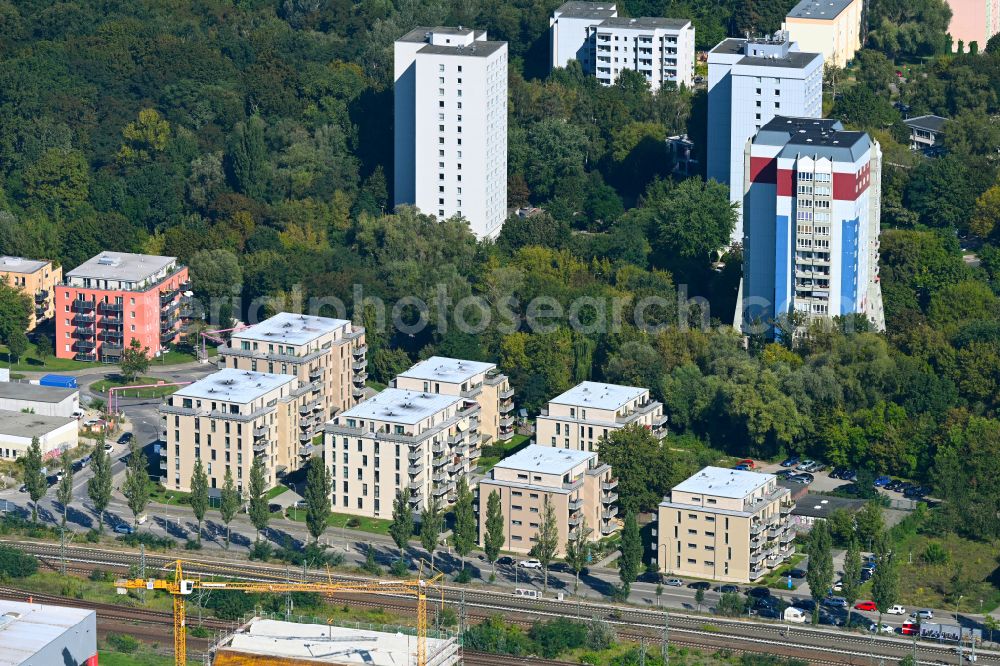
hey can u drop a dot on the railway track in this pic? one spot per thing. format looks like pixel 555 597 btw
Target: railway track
pixel 817 645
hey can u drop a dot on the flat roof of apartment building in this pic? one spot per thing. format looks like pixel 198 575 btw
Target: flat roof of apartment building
pixel 587 10
pixel 819 9
pixel 20 265
pixel 644 23
pixel 448 370
pixel 723 482
pixel 813 137
pixel 123 266
pixel 232 385
pixel 34 392
pixel 290 328
pixel 737 46
pixel 28 628
pixel 23 424
pixel 545 459
pixel 400 406
pixel 599 395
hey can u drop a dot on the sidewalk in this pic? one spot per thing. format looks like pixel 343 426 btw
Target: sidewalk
pixel 109 369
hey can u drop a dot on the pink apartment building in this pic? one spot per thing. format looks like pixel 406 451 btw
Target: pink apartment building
pixel 973 21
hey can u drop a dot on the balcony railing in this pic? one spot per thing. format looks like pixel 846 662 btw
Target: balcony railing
pixel 609 485
pixel 360 351
pixel 507 394
pixel 110 308
pixel 85 357
pixel 575 504
pixel 84 331
pixel 40 312
pixel 79 319
pixel 41 296
pixel 358 366
pixel 80 305
pixel 609 498
pixel 167 296
pixel 84 345
pixel 110 336
pixel 359 378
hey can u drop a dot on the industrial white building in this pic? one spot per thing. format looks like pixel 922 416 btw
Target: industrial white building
pixel 605 44
pixel 44 635
pixel 749 83
pixel 451 126
pixel 811 239
pixel 44 400
pixel 55 434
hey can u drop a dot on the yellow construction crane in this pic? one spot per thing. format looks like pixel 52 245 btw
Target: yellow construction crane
pixel 180 587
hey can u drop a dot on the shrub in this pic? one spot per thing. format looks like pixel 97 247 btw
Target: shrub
pixel 935 553
pixel 463 576
pixel 447 618
pixel 122 643
pixel 151 541
pixel 92 536
pixel 15 563
pixel 199 632
pixel 230 604
pixel 399 569
pixel 731 604
pixel 556 636
pixel 190 544
pixel 102 576
pixel 353 522
pixel 261 551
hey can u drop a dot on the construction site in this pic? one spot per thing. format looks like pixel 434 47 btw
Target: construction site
pixel 266 642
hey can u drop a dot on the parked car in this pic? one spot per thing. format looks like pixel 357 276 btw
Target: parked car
pixel 806 465
pixel 125 438
pixel 838 585
pixel 700 585
pixel 882 481
pixel 805 478
pixel 865 606
pixel 818 467
pixel 23 488
pixel 758 592
pixel 849 475
pixel 836 472
pixel 866 575
pixel 108 446
pixel 923 614
pixel 743 468
pixel 77 414
pixel 122 528
pixel 59 474
pixel 275 508
pixel 505 560
pixel 887 629
pixel 860 622
pixel 790 461
pixel 893 485
pixel 673 582
pixel 829 619
pixel 804 603
pixel 749 463
pixel 530 564
pixel 729 589
pixel 835 602
pixel 896 610
pixel 785 474
pixel 797 573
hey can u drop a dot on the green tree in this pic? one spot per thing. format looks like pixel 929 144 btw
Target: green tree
pixel 699 597
pixel 693 220
pixel 401 528
pixel 319 485
pixel 229 502
pixel 199 493
pixel 144 137
pixel 17 344
pixel 869 522
pixel 135 360
pixel 215 273
pixel 64 491
pixel 33 475
pixel 642 464
pixel 247 158
pixel 986 216
pixel 548 540
pixel 15 311
pixel 431 524
pixel 257 496
pixel 819 570
pixel 494 538
pixel 43 347
pixel 99 485
pixel 59 180
pixel 136 487
pixel 885 579
pixel 463 534
pixel 631 553
pixel 578 551
pixel 731 604
pixel 851 581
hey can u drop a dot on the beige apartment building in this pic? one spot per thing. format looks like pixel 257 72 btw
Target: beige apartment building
pixel 228 418
pixel 580 488
pixel 473 381
pixel 725 524
pixel 830 27
pixel 581 416
pixel 35 278
pixel 398 440
pixel 329 355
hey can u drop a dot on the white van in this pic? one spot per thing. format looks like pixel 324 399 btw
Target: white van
pixel 796 615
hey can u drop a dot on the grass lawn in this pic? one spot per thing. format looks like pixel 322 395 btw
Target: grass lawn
pixel 378 386
pixel 31 363
pixel 373 525
pixel 108 658
pixel 277 490
pixel 779 577
pixel 156 392
pixel 53 582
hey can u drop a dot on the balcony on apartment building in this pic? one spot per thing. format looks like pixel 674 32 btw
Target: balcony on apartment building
pixel 84 331
pixel 41 296
pixel 81 305
pixel 167 296
pixel 642 408
pixel 110 308
pixel 40 312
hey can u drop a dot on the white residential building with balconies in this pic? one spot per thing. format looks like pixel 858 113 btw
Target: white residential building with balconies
pixel 400 440
pixel 580 417
pixel 474 381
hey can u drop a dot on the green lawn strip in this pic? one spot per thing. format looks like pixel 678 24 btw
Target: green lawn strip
pixel 779 577
pixel 360 523
pixel 30 362
pixel 274 492
pixel 497 451
pixel 103 385
pixel 110 658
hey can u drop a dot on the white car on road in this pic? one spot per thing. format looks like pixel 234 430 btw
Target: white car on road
pixel 674 582
pixel 530 564
pixel 896 610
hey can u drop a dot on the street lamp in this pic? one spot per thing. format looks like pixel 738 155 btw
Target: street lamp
pixel 957 604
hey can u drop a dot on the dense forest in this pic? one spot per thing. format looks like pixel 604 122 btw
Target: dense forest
pixel 253 140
